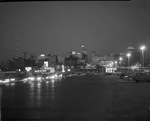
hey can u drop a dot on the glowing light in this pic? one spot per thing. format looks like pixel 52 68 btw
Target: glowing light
pixel 6 81
pixel 12 79
pixel 120 58
pixel 63 68
pixel 69 69
pixel 142 47
pixel 42 55
pixel 39 78
pixel 31 78
pixel 28 69
pixel 128 54
pixel 39 84
pixel 53 77
pixel 60 75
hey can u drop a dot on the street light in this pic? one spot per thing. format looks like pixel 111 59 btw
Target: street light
pixel 116 63
pixel 143 48
pixel 128 55
pixel 120 60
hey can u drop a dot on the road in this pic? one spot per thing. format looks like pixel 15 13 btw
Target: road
pixel 84 98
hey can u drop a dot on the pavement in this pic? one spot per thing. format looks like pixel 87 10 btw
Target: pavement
pixel 83 98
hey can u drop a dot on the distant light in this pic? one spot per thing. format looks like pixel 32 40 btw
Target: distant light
pixel 13 79
pixel 19 70
pixel 42 55
pixel 128 54
pixel 28 69
pixel 39 78
pixel 53 77
pixel 31 78
pixel 63 68
pixel 69 69
pixel 45 63
pixel 6 81
pixel 120 58
pixel 142 47
pixel 73 52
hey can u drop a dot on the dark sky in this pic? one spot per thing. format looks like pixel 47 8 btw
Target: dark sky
pixel 58 27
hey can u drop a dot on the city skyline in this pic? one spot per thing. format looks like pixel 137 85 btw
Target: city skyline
pixel 60 27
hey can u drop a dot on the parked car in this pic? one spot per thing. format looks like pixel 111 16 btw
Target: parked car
pixel 141 77
pixel 125 75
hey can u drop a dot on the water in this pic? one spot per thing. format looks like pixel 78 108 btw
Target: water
pixel 29 100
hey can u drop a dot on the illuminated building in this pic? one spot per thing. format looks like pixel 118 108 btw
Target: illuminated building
pixel 106 61
pixel 84 54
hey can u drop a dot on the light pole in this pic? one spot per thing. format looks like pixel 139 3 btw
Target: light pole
pixel 128 55
pixel 120 60
pixel 143 48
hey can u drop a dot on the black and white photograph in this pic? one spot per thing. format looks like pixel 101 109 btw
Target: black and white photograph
pixel 75 60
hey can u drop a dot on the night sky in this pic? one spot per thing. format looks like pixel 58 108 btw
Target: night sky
pixel 58 27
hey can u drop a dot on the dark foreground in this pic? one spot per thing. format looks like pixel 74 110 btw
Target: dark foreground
pixel 85 98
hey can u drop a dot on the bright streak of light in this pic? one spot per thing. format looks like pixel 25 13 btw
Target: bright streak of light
pixel 6 81
pixel 52 77
pixel 39 78
pixel 47 77
pixel 31 78
pixel 13 79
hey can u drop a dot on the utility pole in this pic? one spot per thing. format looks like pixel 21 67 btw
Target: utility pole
pixel 16 51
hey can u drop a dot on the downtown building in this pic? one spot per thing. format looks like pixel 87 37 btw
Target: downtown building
pixel 76 59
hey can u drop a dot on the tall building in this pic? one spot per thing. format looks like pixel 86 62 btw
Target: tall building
pixel 130 49
pixel 135 56
pixel 84 54
pixel 51 59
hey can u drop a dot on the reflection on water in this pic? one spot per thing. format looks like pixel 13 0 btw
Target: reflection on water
pixel 35 93
pixel 32 93
pixel 53 81
pixel 38 93
pixel 0 95
pixel 10 84
pixel 0 101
